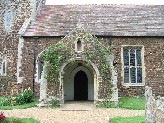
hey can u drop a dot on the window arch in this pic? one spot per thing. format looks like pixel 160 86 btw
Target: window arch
pixel 133 65
pixel 79 45
pixel 4 66
pixel 39 70
pixel 8 18
pixel 8 2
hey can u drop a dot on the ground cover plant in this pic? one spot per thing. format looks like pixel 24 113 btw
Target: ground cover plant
pixel 9 99
pixel 133 103
pixel 135 119
pixel 19 120
pixel 23 106
pixel 17 101
pixel 4 119
pixel 54 103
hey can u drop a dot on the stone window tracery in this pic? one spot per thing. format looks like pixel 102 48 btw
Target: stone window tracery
pixel 132 65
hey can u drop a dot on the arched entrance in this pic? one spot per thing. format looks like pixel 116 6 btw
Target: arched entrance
pixel 79 81
pixel 80 86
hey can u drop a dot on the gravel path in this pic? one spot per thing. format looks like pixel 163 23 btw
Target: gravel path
pixel 96 115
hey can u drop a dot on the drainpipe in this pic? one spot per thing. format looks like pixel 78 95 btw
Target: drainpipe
pixel 34 63
pixel 110 40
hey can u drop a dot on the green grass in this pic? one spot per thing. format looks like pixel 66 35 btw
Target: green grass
pixel 136 119
pixel 106 105
pixel 132 103
pixel 0 98
pixel 127 103
pixel 19 120
pixel 24 106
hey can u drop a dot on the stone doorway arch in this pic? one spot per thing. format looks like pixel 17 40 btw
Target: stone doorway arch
pixel 71 86
pixel 69 71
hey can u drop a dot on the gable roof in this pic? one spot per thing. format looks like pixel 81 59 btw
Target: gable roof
pixel 102 20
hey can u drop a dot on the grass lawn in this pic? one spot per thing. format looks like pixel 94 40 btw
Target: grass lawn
pixel 24 106
pixel 136 119
pixel 132 103
pixel 127 103
pixel 0 98
pixel 19 120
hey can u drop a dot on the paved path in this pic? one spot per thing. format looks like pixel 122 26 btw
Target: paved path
pixel 78 106
pixel 75 115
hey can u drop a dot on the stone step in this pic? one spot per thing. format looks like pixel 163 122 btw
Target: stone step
pixel 78 106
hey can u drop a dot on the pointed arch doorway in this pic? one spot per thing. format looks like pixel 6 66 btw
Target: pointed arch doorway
pixel 79 82
pixel 81 86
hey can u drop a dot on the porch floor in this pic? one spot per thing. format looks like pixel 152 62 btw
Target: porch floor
pixel 78 106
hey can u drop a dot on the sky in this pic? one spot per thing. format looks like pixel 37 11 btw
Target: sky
pixel 137 2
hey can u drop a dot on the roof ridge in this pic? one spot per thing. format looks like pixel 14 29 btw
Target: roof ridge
pixel 106 4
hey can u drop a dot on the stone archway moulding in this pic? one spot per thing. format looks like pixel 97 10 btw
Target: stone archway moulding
pixel 96 74
pixel 77 59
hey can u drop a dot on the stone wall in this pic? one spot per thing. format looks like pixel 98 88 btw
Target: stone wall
pixel 39 44
pixel 9 39
pixel 28 63
pixel 22 10
pixel 153 61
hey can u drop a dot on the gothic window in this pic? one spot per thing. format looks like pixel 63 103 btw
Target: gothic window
pixel 8 2
pixel 78 45
pixel 39 70
pixel 132 65
pixel 8 19
pixel 4 66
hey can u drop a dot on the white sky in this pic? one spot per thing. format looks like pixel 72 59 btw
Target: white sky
pixel 63 2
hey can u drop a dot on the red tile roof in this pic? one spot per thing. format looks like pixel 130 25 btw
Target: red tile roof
pixel 103 20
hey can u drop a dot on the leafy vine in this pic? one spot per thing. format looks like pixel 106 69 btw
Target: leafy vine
pixel 60 52
pixel 53 57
